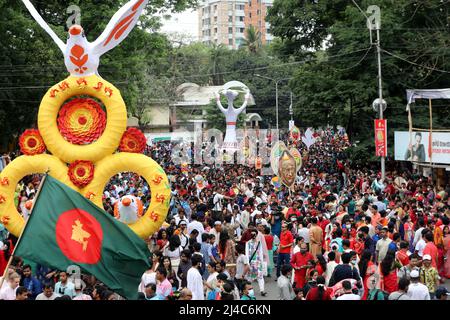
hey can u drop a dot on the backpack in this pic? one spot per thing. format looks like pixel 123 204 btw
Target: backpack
pixel 378 294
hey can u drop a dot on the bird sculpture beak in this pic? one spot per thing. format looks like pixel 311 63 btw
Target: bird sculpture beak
pixel 126 202
pixel 75 30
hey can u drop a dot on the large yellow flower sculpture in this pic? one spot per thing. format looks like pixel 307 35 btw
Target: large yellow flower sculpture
pixel 83 141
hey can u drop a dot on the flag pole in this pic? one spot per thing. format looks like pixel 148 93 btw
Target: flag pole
pixel 24 227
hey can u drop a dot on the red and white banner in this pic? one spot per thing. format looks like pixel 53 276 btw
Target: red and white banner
pixel 380 138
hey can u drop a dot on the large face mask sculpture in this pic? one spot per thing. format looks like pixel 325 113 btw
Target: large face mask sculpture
pixel 287 169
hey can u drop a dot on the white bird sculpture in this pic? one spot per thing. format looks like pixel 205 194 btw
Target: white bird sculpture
pixel 82 57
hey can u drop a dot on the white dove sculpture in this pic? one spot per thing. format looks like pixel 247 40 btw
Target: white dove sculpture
pixel 231 115
pixel 82 57
pixel 308 139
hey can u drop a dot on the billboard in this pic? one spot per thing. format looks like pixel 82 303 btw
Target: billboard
pixel 416 147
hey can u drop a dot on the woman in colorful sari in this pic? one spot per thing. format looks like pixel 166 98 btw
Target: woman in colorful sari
pixel 447 252
pixel 367 270
pixel 388 273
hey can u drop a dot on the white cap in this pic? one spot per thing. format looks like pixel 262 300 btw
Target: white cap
pixel 217 223
pixel 427 257
pixel 414 274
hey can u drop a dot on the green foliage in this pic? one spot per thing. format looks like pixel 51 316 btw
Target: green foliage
pixel 31 62
pixel 339 82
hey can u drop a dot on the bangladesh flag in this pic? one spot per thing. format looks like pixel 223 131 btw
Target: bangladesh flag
pixel 67 229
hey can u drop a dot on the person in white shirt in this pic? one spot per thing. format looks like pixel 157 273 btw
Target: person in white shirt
pixel 47 294
pixel 330 266
pixel 216 231
pixel 303 231
pixel 8 291
pixel 420 245
pixel 196 225
pixel 180 216
pixel 194 279
pixel 417 290
pixel 348 294
pixel 64 286
pixel 79 295
pixel 418 233
pixel 245 216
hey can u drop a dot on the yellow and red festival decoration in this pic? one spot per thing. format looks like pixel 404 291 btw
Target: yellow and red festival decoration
pixel 31 142
pixel 81 173
pixel 81 121
pixel 83 139
pixel 133 140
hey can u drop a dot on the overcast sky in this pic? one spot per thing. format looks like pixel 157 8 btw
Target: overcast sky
pixel 185 22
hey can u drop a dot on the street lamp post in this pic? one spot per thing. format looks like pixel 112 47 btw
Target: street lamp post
pixel 276 92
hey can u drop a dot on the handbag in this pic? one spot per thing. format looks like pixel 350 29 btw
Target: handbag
pixel 254 253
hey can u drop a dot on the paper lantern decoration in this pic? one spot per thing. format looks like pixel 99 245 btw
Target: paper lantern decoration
pixel 287 169
pixel 184 168
pixel 276 182
pixel 294 133
pixel 31 142
pixel 277 150
pixel 81 121
pixel 258 163
pixel 133 141
pixel 200 182
pixel 297 156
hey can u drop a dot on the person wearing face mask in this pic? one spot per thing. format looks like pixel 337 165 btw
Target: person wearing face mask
pixel 247 292
pixel 299 262
pixel 255 254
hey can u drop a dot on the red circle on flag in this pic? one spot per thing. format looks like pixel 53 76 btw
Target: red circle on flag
pixel 79 236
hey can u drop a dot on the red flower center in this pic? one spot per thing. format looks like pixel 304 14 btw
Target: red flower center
pixel 82 120
pixel 81 172
pixel 131 144
pixel 32 142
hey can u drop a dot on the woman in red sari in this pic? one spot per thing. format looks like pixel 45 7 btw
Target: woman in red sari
pixel 366 269
pixel 388 274
pixel 446 234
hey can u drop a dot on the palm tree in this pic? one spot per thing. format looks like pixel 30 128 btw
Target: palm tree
pixel 252 39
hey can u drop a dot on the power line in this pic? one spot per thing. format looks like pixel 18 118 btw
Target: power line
pixel 414 63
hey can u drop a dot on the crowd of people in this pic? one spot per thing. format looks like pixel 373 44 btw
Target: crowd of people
pixel 341 233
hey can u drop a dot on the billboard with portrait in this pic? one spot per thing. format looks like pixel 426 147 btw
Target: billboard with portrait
pixel 416 146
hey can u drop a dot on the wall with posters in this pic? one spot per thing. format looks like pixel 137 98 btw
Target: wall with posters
pixel 418 148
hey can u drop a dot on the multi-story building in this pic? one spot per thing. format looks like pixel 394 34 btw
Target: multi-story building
pixel 225 21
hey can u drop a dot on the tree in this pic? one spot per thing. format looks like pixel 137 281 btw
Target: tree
pixel 252 39
pixel 31 62
pixel 337 80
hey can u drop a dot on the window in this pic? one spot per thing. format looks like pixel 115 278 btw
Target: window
pixel 241 19
pixel 240 30
pixel 215 8
pixel 230 6
pixel 240 7
pixel 258 12
pixel 230 42
pixel 215 30
pixel 230 30
pixel 230 18
pixel 250 15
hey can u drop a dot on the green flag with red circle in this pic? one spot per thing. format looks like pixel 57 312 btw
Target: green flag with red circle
pixel 66 229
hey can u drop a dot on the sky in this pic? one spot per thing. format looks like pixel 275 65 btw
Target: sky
pixel 185 22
